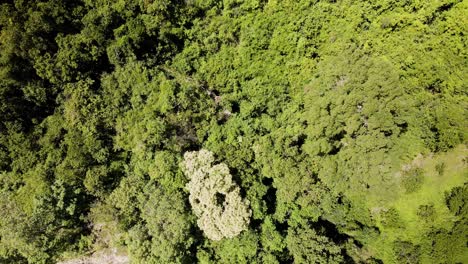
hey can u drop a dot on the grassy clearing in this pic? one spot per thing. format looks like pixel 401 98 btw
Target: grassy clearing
pixel 441 173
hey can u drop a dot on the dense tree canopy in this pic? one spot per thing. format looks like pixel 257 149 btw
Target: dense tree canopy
pixel 336 130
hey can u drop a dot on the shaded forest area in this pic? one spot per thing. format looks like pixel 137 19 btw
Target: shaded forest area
pixel 339 127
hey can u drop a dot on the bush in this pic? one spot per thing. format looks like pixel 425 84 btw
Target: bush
pixel 413 180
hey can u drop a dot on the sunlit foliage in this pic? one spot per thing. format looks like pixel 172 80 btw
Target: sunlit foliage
pixel 337 128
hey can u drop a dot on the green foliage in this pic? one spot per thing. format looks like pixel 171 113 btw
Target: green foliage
pixel 271 239
pixel 343 123
pixel 413 180
pixel 241 249
pixel 406 252
pixel 168 234
pixel 457 201
pixel 440 168
pixel 391 218
pixel 426 212
pixel 449 246
pixel 306 246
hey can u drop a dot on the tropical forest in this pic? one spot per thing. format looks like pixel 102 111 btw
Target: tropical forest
pixel 233 131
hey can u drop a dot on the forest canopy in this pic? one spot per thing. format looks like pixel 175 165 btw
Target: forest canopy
pixel 256 131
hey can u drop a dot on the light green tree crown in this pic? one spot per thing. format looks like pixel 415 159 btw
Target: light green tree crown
pixel 214 197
